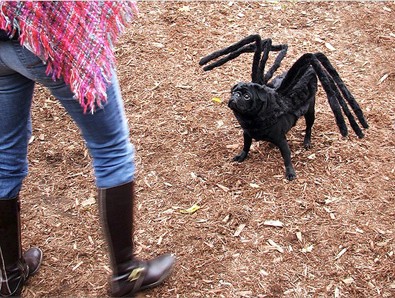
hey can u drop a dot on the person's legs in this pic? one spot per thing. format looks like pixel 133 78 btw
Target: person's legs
pixel 15 267
pixel 15 99
pixel 106 134
pixel 130 275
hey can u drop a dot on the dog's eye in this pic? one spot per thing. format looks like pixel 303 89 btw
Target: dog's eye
pixel 247 96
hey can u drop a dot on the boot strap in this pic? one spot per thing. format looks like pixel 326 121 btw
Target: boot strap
pixel 137 276
pixel 17 276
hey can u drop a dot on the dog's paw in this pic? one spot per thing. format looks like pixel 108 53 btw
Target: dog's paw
pixel 307 145
pixel 307 142
pixel 241 157
pixel 290 174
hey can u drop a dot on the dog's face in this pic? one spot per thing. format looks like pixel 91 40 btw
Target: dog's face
pixel 248 98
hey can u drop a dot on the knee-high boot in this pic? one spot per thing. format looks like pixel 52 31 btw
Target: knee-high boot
pixel 130 275
pixel 15 267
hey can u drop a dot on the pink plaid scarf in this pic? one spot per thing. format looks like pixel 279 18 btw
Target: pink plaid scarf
pixel 74 38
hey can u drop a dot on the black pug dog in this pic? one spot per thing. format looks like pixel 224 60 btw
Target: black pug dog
pixel 266 115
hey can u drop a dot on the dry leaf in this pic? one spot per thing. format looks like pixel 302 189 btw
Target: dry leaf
pixel 226 218
pixel 185 87
pixel 276 246
pixel 185 9
pixel 264 272
pixel 233 146
pixel 337 292
pixel 358 230
pixel 299 236
pixel 308 248
pixel 161 238
pixel 342 252
pixel 76 266
pixel 88 202
pixel 239 230
pixel 31 139
pixel 311 156
pixel 273 223
pixel 383 78
pixel 331 200
pixel 244 294
pixel 383 243
pixel 330 47
pixel 224 188
pixel 158 45
pixel 348 280
pixel 191 209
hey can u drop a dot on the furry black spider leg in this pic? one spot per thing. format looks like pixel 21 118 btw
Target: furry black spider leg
pixel 256 76
pixel 297 70
pixel 266 46
pixel 245 49
pixel 250 44
pixel 240 47
pixel 331 84
pixel 343 88
pixel 277 62
pixel 330 91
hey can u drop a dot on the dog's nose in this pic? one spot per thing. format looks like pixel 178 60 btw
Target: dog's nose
pixel 232 102
pixel 229 102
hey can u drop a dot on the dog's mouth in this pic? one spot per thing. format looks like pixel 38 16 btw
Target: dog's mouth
pixel 232 104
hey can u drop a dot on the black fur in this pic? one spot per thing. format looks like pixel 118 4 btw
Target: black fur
pixel 268 110
pixel 265 116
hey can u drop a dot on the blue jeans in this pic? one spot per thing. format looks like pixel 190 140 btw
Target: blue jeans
pixel 106 132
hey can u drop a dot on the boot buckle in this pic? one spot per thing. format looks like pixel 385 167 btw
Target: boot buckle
pixel 135 274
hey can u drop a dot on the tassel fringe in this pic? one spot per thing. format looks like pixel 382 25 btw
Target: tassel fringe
pixel 74 38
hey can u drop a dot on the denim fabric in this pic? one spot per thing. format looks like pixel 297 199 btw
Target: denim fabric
pixel 105 132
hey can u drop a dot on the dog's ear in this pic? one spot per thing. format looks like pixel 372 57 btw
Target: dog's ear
pixel 235 87
pixel 261 93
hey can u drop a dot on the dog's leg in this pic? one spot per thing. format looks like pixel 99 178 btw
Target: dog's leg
pixel 246 148
pixel 286 154
pixel 309 117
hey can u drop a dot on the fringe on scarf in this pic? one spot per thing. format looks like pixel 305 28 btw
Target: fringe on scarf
pixel 74 38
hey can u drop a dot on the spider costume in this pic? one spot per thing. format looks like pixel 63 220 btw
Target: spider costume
pixel 268 108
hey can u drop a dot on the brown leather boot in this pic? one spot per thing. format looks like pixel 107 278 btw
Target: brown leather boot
pixel 130 275
pixel 15 267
